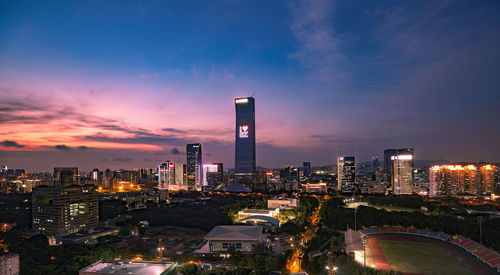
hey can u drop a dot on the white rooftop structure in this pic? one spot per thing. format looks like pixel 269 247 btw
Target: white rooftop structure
pixel 130 268
pixel 235 232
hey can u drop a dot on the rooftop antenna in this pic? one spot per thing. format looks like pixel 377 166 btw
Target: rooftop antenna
pixel 253 94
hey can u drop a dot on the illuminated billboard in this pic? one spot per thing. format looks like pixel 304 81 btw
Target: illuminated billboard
pixel 243 131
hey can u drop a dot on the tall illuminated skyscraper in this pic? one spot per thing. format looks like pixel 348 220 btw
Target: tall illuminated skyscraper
pixel 402 171
pixel 194 168
pixel 346 174
pixel 244 161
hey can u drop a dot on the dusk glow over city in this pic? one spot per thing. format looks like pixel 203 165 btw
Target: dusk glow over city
pixel 118 83
pixel 249 137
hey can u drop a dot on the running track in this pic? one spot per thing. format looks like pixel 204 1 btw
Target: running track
pixel 383 264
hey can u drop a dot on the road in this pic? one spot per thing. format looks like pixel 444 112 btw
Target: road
pixel 295 262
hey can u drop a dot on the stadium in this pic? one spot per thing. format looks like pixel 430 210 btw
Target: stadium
pixel 414 251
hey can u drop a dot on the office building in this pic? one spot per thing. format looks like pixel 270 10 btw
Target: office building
pixel 213 175
pixel 9 264
pixel 64 210
pixel 194 168
pixel 166 175
pixel 289 174
pixel 388 153
pixel 346 174
pixel 66 176
pixel 307 169
pixel 245 162
pixel 402 172
pixel 180 172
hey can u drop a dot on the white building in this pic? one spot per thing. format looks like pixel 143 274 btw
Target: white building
pixel 283 203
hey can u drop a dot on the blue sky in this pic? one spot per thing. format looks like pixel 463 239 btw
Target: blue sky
pixel 329 77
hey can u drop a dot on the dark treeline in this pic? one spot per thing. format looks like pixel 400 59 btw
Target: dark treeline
pixel 336 217
pixel 37 257
pixel 440 204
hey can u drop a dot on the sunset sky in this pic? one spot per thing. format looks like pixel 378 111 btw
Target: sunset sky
pixel 127 84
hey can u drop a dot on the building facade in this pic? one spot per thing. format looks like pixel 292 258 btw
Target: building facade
pixel 194 166
pixel 453 180
pixel 306 166
pixel 66 176
pixel 166 175
pixel 240 237
pixel 180 176
pixel 245 161
pixel 346 174
pixel 488 179
pixel 402 172
pixel 64 210
pixel 213 175
pixel 9 264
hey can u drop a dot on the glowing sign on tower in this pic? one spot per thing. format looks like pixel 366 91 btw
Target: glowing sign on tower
pixel 243 131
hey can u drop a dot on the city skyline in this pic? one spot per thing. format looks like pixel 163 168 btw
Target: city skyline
pixel 95 85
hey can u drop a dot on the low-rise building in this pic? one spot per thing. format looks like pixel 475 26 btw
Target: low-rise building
pixel 240 237
pixel 354 245
pixel 283 203
pixel 258 212
pixel 319 187
pixel 129 268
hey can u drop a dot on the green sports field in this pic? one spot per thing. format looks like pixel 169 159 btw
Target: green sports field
pixel 421 258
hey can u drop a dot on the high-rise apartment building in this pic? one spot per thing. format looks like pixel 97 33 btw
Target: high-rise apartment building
pixel 194 168
pixel 453 180
pixel 488 179
pixel 96 177
pixel 245 161
pixel 64 210
pixel 66 176
pixel 107 179
pixel 402 171
pixel 346 174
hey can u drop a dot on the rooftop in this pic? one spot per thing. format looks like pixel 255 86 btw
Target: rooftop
pixel 256 211
pixel 353 240
pixel 235 232
pixel 131 268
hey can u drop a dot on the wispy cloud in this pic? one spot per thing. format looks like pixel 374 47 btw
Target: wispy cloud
pixel 319 46
pixel 223 75
pixel 62 147
pixel 125 159
pixel 10 143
